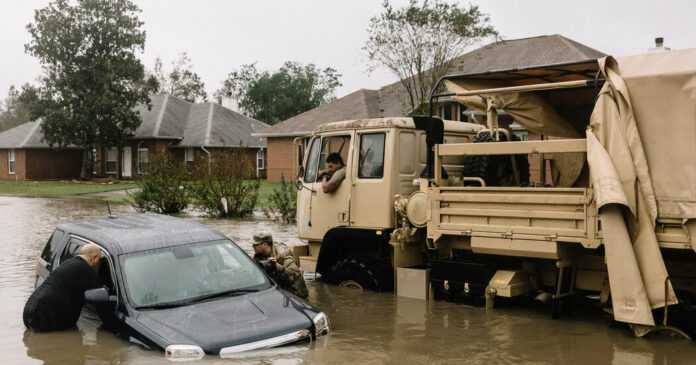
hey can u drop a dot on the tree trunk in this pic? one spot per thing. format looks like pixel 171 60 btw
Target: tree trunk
pixel 86 171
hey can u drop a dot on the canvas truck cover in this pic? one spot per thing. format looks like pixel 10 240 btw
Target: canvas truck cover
pixel 641 153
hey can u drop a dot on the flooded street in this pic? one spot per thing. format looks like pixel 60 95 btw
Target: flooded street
pixel 368 327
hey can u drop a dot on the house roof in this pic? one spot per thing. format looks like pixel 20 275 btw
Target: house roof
pixel 186 124
pixel 199 124
pixel 27 135
pixel 388 101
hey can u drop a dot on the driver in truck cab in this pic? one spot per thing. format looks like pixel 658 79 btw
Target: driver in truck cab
pixel 334 174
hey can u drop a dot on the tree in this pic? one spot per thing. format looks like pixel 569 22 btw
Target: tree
pixel 181 81
pixel 13 111
pixel 274 97
pixel 91 78
pixel 419 42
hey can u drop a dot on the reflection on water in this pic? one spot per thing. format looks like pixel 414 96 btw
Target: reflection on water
pixel 368 327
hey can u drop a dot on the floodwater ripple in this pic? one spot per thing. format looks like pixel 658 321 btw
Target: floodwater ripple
pixel 369 328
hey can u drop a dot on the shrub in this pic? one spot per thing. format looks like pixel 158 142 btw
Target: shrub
pixel 283 202
pixel 229 178
pixel 162 186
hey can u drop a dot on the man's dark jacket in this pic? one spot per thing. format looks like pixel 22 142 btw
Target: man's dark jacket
pixel 57 303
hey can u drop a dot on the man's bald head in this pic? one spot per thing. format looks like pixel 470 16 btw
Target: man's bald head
pixel 92 254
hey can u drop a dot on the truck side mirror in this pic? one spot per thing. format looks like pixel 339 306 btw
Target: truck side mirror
pixel 300 172
pixel 99 295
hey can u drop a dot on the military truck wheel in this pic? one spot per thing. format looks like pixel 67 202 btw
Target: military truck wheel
pixel 362 273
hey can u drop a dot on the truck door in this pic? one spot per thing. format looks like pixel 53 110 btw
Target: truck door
pixel 317 212
pixel 373 185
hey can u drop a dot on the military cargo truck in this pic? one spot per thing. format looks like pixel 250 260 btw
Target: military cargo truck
pixel 611 211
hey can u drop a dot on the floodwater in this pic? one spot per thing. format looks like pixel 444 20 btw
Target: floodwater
pixel 369 328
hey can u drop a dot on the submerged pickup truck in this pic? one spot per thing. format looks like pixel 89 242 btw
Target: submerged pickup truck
pixel 608 208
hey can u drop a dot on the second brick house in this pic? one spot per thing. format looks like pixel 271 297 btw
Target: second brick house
pixel 189 131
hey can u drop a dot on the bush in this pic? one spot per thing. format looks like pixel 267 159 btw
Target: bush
pixel 228 179
pixel 283 202
pixel 162 186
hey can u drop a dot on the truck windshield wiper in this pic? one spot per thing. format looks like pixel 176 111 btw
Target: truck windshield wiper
pixel 227 293
pixel 185 302
pixel 166 305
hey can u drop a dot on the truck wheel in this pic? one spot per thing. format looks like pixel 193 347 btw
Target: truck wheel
pixel 362 273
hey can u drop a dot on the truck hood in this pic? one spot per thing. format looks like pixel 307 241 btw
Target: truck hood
pixel 230 321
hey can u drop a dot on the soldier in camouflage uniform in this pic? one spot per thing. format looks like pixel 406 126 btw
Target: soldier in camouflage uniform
pixel 286 272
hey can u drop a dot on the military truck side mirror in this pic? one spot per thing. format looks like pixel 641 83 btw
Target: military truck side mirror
pixel 99 295
pixel 300 172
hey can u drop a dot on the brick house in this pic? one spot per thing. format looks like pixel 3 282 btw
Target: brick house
pixel 389 101
pixel 190 131
pixel 24 157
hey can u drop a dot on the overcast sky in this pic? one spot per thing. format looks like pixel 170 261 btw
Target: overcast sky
pixel 220 36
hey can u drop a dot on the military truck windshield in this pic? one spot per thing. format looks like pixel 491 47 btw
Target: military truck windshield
pixel 184 274
pixel 312 161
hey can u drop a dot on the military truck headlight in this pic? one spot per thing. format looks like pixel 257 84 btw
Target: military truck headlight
pixel 321 324
pixel 184 352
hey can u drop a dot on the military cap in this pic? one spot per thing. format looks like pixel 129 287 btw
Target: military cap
pixel 263 237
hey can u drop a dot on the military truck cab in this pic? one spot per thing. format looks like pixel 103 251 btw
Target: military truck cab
pixel 348 229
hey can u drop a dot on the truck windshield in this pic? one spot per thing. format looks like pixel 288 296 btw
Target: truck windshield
pixel 184 274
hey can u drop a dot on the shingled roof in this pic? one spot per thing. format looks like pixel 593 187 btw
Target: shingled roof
pixel 199 124
pixel 389 100
pixel 27 135
pixel 186 124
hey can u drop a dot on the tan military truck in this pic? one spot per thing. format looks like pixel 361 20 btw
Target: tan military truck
pixel 612 212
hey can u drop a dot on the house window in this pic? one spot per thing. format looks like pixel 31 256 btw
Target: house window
pixel 111 160
pixel 189 158
pixel 461 113
pixel 11 160
pixel 260 160
pixel 446 111
pixel 94 160
pixel 143 158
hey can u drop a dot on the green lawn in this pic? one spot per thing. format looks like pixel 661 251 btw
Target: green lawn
pixel 70 188
pixel 57 187
pixel 265 191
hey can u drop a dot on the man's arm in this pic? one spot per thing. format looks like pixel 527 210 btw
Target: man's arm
pixel 330 185
pixel 285 263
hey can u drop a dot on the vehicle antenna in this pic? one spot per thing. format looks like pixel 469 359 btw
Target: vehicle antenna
pixel 108 207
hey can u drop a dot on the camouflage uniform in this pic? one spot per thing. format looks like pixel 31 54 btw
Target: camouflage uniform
pixel 286 272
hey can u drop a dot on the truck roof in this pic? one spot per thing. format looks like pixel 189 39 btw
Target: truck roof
pixel 394 122
pixel 139 232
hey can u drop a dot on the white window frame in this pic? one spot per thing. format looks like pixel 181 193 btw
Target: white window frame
pixel 107 160
pixel 147 157
pixel 189 157
pixel 94 160
pixel 11 161
pixel 260 160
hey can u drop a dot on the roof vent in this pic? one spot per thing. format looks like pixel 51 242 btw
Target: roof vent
pixel 659 46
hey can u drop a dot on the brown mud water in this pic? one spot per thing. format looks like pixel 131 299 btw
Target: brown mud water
pixel 368 327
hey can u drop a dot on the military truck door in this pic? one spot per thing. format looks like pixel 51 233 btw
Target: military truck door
pixel 318 212
pixel 373 190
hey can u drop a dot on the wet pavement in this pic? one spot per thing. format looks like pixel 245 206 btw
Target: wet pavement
pixel 368 327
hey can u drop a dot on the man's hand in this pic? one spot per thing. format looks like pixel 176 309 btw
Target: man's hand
pixel 273 259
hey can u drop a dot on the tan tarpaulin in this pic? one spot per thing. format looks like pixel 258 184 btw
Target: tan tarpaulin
pixel 642 155
pixel 662 90
pixel 620 175
pixel 529 110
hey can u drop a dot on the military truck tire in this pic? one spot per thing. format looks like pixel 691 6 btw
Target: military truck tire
pixel 496 170
pixel 362 273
